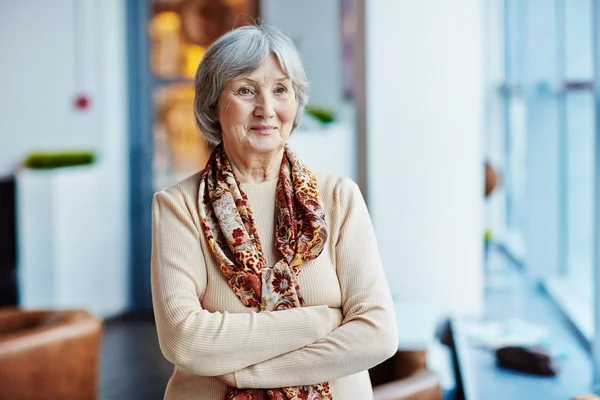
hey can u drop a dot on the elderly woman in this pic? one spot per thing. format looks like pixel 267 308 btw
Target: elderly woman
pixel 266 279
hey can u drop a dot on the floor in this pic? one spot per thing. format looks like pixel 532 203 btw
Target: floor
pixel 132 366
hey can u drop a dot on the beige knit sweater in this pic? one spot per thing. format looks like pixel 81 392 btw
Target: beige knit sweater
pixel 346 327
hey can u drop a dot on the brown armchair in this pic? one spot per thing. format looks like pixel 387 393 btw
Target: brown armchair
pixel 49 355
pixel 405 377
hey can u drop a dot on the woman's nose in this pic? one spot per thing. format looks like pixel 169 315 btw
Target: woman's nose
pixel 265 106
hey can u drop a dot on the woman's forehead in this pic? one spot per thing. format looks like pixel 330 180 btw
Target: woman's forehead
pixel 269 72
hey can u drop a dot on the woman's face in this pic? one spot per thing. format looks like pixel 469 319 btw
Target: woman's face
pixel 256 112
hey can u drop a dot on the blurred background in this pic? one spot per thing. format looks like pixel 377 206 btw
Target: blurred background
pixel 469 126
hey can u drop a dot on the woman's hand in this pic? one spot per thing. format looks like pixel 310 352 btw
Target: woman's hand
pixel 229 380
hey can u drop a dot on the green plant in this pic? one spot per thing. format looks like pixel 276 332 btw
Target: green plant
pixel 49 160
pixel 488 235
pixel 324 115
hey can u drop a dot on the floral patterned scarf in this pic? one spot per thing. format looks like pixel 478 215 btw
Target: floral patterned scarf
pixel 300 234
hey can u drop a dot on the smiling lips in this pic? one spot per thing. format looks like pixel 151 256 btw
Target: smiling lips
pixel 263 129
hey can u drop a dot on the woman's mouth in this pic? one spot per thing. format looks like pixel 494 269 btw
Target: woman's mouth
pixel 263 129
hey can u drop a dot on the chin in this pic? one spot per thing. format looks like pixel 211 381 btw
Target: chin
pixel 267 144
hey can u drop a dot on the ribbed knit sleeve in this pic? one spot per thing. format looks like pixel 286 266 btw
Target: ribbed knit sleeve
pixel 368 333
pixel 212 343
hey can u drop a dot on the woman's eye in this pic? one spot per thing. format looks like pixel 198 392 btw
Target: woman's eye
pixel 281 90
pixel 245 91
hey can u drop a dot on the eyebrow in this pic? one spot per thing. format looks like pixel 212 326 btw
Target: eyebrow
pixel 283 78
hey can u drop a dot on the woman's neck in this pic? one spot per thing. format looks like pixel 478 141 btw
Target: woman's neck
pixel 256 168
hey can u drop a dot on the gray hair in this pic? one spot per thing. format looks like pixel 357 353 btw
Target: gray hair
pixel 236 54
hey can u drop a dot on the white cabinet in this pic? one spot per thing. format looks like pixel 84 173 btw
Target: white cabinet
pixel 63 243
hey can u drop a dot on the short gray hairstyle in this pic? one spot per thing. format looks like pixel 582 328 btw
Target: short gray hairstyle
pixel 236 54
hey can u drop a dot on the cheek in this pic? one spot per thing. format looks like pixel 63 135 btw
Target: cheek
pixel 232 111
pixel 289 111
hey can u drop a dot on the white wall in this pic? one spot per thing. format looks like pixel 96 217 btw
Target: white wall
pixel 115 144
pixel 314 26
pixel 330 148
pixel 52 50
pixel 425 104
pixel 37 80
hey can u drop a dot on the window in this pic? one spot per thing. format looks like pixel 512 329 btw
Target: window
pixel 506 124
pixel 548 158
